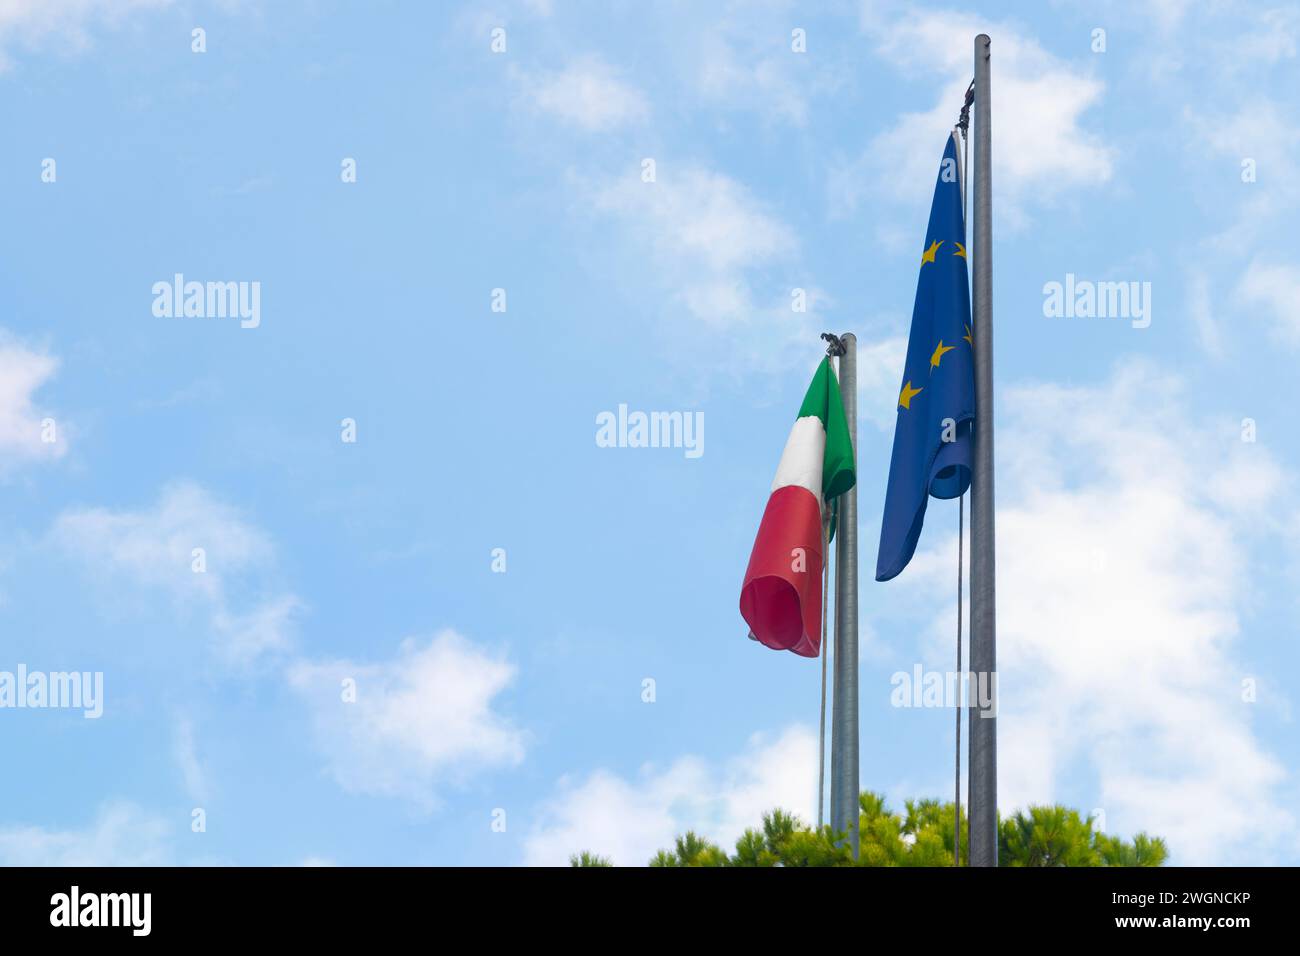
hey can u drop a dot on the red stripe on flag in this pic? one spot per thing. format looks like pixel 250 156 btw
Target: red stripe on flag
pixel 782 605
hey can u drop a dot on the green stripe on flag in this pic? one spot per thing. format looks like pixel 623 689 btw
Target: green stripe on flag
pixel 823 400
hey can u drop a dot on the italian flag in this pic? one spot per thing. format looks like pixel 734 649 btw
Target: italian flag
pixel 781 598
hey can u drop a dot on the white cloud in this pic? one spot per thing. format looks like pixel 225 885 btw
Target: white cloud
pixel 1273 289
pixel 703 238
pixel 1124 539
pixel 1041 149
pixel 22 372
pixel 588 93
pixel 880 365
pixel 712 59
pixel 725 260
pixel 736 73
pixel 121 835
pixel 1259 130
pixel 1269 37
pixel 702 216
pixel 629 820
pixel 63 23
pixel 705 230
pixel 154 549
pixel 1201 311
pixel 741 58
pixel 764 85
pixel 420 720
pixel 1168 13
pixel 1254 133
pixel 187 760
pixel 266 629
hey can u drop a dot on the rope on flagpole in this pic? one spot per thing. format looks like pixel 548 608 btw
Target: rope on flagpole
pixel 821 745
pixel 956 783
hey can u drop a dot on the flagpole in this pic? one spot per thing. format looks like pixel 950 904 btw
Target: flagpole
pixel 844 715
pixel 963 124
pixel 983 773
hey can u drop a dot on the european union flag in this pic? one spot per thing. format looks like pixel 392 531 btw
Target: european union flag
pixel 936 404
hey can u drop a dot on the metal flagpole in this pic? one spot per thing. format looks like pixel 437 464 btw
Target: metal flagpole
pixel 844 711
pixel 983 799
pixel 963 124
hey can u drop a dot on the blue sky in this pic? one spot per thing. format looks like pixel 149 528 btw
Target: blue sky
pixel 1147 567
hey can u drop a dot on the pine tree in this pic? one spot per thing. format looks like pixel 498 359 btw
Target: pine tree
pixel 922 836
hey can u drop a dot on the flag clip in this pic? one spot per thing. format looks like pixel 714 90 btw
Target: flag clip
pixel 963 121
pixel 835 346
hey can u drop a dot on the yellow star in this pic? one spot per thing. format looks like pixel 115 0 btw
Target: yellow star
pixel 961 250
pixel 938 354
pixel 928 255
pixel 905 398
pixel 967 337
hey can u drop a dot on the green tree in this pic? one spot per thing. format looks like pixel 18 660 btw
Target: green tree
pixel 1047 836
pixel 1059 836
pixel 921 836
pixel 880 833
pixel 691 850
pixel 589 859
pixel 1143 851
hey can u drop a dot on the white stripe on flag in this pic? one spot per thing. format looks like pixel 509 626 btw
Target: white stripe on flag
pixel 801 461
